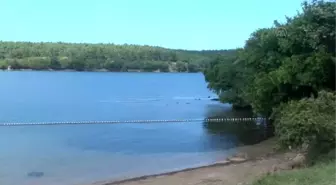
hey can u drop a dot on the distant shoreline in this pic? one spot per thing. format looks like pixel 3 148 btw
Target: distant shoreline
pixel 103 57
pixel 98 70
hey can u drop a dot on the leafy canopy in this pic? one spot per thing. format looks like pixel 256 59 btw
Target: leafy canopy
pixel 286 62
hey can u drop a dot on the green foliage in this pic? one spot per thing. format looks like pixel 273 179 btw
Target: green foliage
pixel 321 174
pixel 280 71
pixel 3 64
pixel 181 66
pixel 287 62
pixel 309 119
pixel 89 57
pixel 226 77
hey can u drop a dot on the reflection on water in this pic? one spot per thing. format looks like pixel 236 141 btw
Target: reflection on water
pixel 80 154
pixel 159 138
pixel 236 132
pixel 87 153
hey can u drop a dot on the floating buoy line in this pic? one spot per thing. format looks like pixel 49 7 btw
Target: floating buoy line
pixel 133 121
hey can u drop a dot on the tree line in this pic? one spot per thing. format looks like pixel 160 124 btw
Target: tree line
pixel 110 57
pixel 287 73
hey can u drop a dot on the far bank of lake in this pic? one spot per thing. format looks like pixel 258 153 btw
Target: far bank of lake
pixel 100 70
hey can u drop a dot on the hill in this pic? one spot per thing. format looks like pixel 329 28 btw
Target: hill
pixel 95 57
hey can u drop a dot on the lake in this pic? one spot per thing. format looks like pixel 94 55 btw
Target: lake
pixel 83 154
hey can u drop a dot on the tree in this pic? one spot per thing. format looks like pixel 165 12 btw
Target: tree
pixel 181 66
pixel 54 63
pixel 287 62
pixel 96 56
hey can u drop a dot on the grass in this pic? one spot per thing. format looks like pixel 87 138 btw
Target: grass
pixel 319 174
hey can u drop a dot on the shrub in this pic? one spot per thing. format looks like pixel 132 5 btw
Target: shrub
pixel 309 121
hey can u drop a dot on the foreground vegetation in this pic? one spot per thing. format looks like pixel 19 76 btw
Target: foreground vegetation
pixel 320 174
pixel 110 57
pixel 287 73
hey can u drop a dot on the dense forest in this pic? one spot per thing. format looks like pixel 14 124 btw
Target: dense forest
pixel 287 73
pixel 93 57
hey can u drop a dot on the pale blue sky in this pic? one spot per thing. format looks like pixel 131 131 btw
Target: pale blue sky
pixel 182 24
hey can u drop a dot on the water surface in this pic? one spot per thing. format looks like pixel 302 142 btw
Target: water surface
pixel 82 154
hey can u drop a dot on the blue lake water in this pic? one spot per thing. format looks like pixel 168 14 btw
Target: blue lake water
pixel 84 154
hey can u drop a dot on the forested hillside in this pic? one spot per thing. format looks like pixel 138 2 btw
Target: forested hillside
pixel 110 57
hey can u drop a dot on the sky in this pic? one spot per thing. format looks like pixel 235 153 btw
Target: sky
pixel 177 24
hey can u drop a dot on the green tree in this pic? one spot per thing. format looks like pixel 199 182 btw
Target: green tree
pixel 99 56
pixel 286 62
pixel 181 66
pixel 280 71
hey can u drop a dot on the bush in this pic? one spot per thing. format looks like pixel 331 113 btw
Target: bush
pixel 309 121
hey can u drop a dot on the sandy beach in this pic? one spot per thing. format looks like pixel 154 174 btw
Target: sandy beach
pixel 250 163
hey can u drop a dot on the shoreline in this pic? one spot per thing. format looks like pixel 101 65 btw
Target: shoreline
pixel 98 70
pixel 254 152
pixel 144 177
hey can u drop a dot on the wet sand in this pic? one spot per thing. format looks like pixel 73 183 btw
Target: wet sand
pixel 260 159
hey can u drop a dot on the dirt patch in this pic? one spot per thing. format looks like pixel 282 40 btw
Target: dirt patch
pixel 249 163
